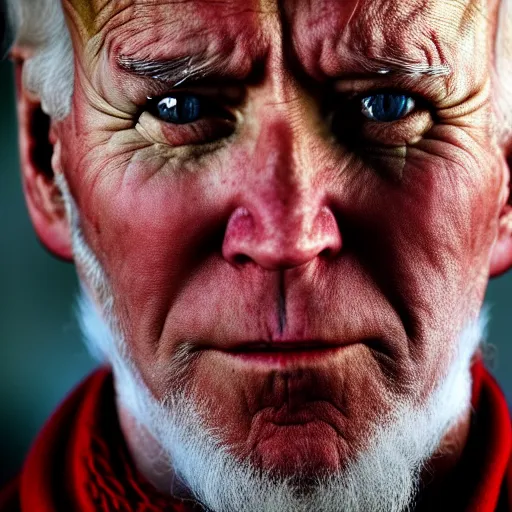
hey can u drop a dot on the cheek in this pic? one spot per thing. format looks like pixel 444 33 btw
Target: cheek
pixel 154 228
pixel 453 207
pixel 142 227
pixel 433 233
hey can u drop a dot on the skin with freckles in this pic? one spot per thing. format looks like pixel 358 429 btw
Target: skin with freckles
pixel 290 217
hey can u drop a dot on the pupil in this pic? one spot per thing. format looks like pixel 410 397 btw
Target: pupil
pixel 190 109
pixel 180 109
pixel 390 106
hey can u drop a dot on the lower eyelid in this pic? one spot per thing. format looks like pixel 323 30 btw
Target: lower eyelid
pixel 408 130
pixel 198 132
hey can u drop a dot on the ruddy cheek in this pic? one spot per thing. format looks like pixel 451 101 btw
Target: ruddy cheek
pixel 149 229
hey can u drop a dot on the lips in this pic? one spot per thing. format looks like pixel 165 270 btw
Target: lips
pixel 280 346
pixel 281 355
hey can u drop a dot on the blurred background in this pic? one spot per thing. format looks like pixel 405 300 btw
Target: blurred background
pixel 41 354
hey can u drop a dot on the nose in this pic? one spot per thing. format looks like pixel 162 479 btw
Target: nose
pixel 281 241
pixel 282 221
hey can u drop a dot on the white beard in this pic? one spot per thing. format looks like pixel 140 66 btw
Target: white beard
pixel 384 477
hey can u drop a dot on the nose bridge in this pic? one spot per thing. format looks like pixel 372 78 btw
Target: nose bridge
pixel 282 194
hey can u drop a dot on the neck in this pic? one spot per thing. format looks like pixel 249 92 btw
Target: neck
pixel 148 456
pixel 442 470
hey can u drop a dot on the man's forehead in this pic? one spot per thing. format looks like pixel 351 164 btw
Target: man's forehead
pixel 87 11
pixel 91 17
pixel 421 31
pixel 338 11
pixel 428 31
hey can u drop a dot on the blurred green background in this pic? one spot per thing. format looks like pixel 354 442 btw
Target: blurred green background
pixel 41 354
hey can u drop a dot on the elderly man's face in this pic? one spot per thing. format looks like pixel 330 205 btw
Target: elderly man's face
pixel 310 173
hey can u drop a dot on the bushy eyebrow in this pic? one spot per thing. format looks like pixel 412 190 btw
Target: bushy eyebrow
pixel 403 66
pixel 174 71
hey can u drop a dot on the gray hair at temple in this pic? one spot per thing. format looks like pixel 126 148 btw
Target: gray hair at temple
pixel 39 27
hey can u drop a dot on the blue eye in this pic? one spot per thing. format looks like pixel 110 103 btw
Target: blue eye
pixel 387 107
pixel 179 109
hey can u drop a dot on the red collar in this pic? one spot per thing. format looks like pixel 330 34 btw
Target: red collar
pixel 80 461
pixel 492 435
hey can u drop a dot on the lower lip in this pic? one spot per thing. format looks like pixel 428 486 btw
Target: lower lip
pixel 281 359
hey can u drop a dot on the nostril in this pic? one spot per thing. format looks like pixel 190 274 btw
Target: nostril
pixel 326 253
pixel 241 259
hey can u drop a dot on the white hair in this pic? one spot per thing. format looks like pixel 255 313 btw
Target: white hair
pixel 384 476
pixel 40 27
pixel 41 31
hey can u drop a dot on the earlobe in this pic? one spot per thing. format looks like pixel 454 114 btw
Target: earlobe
pixel 44 201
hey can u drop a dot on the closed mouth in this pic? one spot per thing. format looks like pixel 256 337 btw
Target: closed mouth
pixel 280 347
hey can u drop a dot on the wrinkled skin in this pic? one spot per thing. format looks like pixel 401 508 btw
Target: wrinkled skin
pixel 287 226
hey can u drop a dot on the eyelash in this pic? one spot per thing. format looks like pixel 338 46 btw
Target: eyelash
pixel 216 123
pixel 354 100
pixel 361 131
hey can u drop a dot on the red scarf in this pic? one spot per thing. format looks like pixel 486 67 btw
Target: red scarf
pixel 80 461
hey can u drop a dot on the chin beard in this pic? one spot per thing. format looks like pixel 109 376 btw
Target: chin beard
pixel 384 476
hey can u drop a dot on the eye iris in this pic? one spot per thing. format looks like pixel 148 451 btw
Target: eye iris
pixel 387 107
pixel 179 109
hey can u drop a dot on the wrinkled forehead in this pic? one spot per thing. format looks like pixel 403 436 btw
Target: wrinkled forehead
pixel 429 31
pixel 404 14
pixel 94 15
pixel 440 33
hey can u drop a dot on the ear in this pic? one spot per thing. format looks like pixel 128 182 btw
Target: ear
pixel 501 255
pixel 44 200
